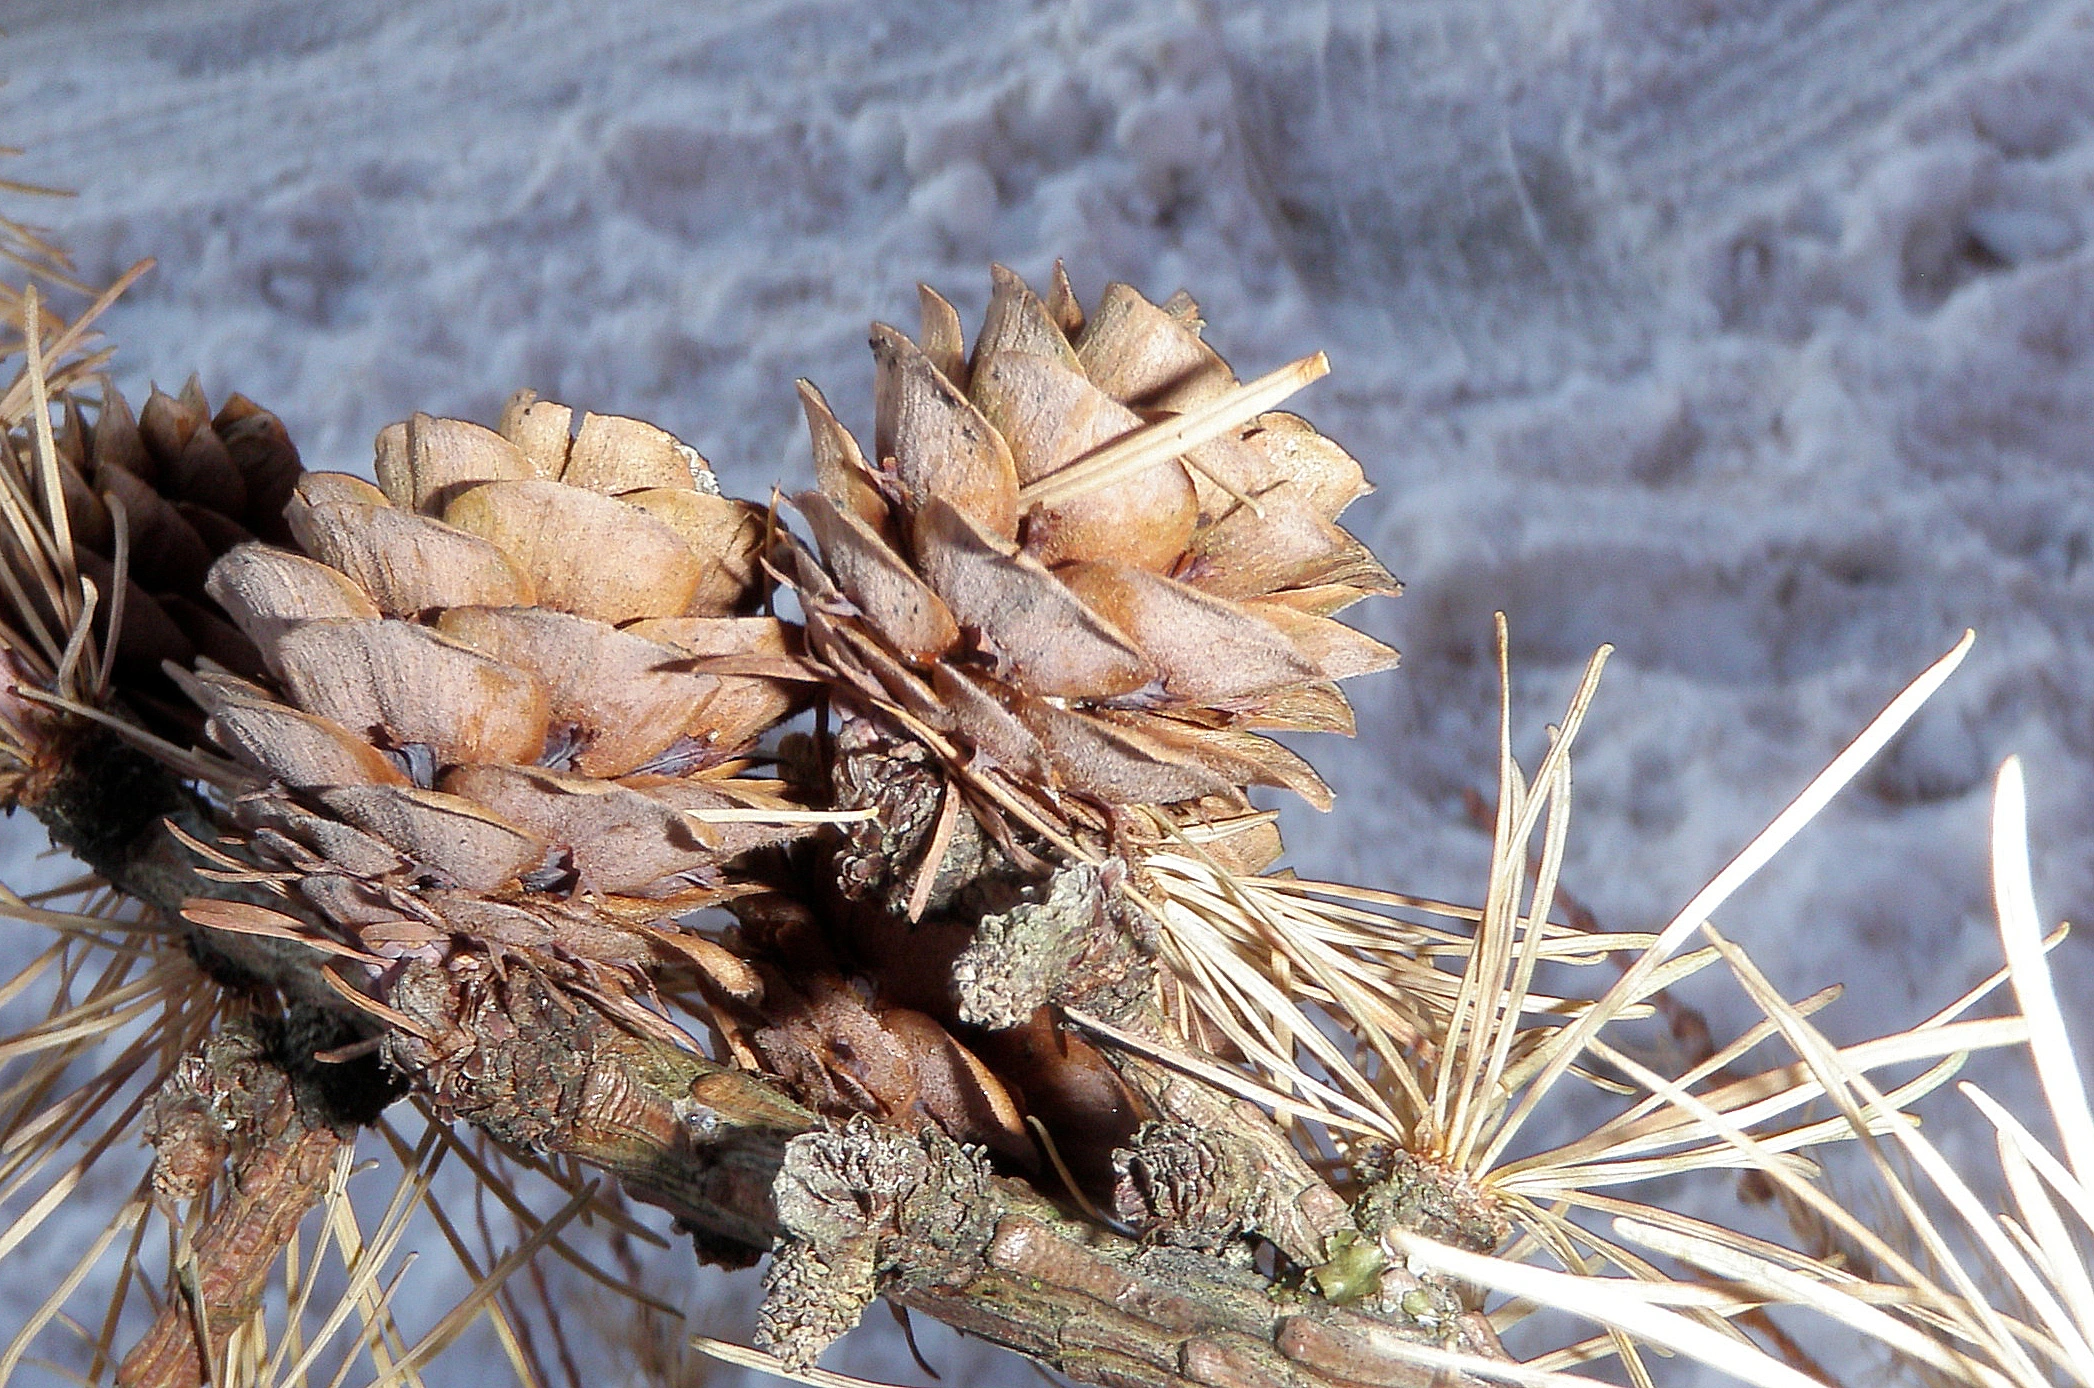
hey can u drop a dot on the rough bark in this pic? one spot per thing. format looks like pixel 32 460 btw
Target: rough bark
pixel 228 1106
pixel 852 1212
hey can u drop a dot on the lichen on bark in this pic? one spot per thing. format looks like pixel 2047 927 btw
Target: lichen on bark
pixel 864 1209
pixel 230 1118
pixel 1073 939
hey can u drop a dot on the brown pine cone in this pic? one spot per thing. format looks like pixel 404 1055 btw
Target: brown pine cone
pixel 1084 636
pixel 507 697
pixel 187 486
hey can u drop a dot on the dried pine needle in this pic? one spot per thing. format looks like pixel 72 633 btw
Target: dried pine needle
pixel 1755 855
pixel 1166 439
pixel 745 1357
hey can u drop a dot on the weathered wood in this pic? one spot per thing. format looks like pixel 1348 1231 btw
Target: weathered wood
pixel 228 1105
pixel 720 1150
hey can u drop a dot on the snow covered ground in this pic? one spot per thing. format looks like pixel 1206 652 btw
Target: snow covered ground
pixel 1756 339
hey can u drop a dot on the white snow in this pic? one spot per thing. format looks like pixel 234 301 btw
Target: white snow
pixel 1756 339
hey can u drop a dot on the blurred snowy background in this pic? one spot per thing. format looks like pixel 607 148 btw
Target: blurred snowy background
pixel 1756 338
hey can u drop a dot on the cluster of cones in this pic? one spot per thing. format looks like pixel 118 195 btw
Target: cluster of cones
pixel 483 736
pixel 508 707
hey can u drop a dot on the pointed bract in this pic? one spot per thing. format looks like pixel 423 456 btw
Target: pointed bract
pixel 939 444
pixel 1041 633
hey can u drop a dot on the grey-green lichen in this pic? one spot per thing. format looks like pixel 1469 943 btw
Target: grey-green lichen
pixel 865 1209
